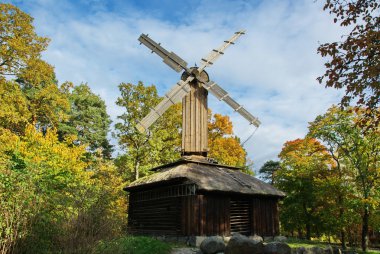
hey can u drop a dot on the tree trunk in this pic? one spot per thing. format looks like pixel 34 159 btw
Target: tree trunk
pixel 308 231
pixel 300 235
pixel 137 170
pixel 365 228
pixel 342 229
pixel 307 223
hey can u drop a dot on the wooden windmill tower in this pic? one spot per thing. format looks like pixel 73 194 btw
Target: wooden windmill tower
pixel 192 89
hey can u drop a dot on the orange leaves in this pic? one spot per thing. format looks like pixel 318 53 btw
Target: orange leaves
pixel 220 126
pixel 224 146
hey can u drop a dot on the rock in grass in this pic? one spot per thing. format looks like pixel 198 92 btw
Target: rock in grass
pixel 277 248
pixel 240 244
pixel 256 238
pixel 212 245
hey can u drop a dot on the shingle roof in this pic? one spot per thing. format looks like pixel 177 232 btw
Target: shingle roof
pixel 207 177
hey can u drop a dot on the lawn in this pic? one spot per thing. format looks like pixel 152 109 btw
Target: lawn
pixel 133 245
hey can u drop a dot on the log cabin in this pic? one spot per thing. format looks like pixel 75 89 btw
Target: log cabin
pixel 193 197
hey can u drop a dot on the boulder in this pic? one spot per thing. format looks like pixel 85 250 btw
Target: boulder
pixel 300 250
pixel 256 238
pixel 277 248
pixel 268 238
pixel 280 238
pixel 316 250
pixel 240 244
pixel 212 245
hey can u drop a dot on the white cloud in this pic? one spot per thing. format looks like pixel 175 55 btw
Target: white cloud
pixel 271 70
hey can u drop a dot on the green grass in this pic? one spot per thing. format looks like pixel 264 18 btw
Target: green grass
pixel 296 243
pixel 133 245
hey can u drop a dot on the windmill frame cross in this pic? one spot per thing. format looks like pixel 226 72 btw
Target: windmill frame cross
pixel 192 89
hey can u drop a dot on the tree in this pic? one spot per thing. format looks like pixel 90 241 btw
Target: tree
pixel 49 201
pixel 269 169
pixel 361 150
pixel 20 47
pixel 20 57
pixel 145 150
pixel 224 146
pixel 354 63
pixel 303 162
pixel 88 120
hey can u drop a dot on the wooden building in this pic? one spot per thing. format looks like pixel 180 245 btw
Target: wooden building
pixel 193 197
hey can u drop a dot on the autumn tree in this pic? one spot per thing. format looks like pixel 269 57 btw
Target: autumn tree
pixel 354 62
pixel 20 57
pixel 361 150
pixel 14 113
pixel 224 146
pixel 20 47
pixel 268 170
pixel 303 163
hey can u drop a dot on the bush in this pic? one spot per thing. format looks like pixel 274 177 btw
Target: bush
pixel 133 245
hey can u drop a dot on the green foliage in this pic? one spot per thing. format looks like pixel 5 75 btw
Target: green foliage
pixel 268 170
pixel 359 151
pixel 88 120
pixel 304 165
pixel 133 245
pixel 144 151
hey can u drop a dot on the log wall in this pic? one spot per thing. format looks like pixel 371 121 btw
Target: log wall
pixel 265 220
pixel 204 215
pixel 155 217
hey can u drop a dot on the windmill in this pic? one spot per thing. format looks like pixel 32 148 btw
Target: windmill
pixel 192 89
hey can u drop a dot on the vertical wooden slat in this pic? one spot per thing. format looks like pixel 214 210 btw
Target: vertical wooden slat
pixel 203 214
pixel 228 212
pixel 195 216
pixel 183 215
pixel 194 116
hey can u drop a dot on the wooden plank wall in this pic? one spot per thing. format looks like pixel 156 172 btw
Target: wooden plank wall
pixel 205 215
pixel 194 121
pixel 265 221
pixel 155 217
pixel 200 215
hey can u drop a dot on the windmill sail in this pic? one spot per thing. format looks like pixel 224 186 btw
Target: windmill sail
pixel 216 53
pixel 222 95
pixel 170 58
pixel 174 96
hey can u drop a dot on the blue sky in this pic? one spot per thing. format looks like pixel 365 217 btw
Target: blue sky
pixel 271 70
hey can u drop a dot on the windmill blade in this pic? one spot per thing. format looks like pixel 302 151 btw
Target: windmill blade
pixel 174 96
pixel 222 95
pixel 170 58
pixel 216 53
